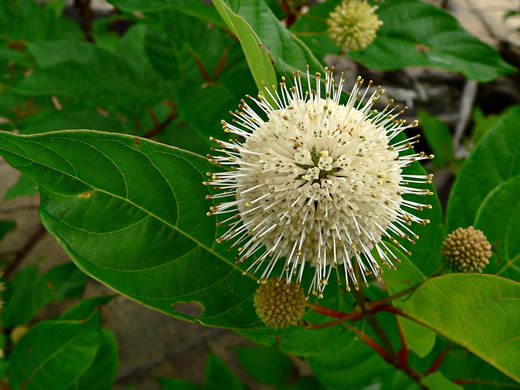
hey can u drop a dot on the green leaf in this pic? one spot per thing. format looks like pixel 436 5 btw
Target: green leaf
pixel 479 312
pixel 102 373
pixel 23 187
pixel 149 195
pixel 29 291
pixel 494 160
pixel 460 364
pixel 418 338
pixel 266 365
pixel 257 57
pixel 6 227
pixel 204 108
pixel 336 355
pixel 437 381
pixel 177 384
pixel 499 219
pixel 416 33
pixel 91 74
pixel 54 354
pixel 86 307
pixel 194 8
pixel 439 138
pixel 287 52
pixel 219 376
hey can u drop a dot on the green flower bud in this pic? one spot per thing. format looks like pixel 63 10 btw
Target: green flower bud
pixel 353 24
pixel 466 250
pixel 279 305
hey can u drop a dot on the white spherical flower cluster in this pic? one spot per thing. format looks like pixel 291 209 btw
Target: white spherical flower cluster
pixel 315 182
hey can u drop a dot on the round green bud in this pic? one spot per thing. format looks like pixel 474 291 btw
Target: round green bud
pixel 279 305
pixel 466 250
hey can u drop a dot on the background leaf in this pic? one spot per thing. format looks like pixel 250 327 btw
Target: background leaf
pixel 266 365
pixel 219 376
pixel 28 292
pixel 414 33
pixel 439 138
pixel 54 354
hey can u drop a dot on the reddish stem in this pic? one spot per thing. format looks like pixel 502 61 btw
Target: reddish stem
pixel 326 311
pixel 436 363
pixel 370 342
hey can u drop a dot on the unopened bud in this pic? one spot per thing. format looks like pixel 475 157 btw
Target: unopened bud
pixel 466 250
pixel 279 305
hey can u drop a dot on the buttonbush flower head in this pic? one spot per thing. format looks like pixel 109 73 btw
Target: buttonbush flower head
pixel 279 305
pixel 353 24
pixel 316 184
pixel 466 250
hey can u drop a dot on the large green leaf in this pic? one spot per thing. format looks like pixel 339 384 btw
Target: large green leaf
pixel 479 312
pixel 23 187
pixel 132 214
pixel 499 218
pixel 257 57
pixel 494 160
pixel 414 33
pixel 54 354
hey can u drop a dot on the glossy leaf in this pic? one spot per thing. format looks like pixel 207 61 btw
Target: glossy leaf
pixel 416 33
pixel 439 138
pixel 476 311
pixel 286 51
pixel 150 195
pixel 494 160
pixel 257 57
pixel 54 354
pixel 29 291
